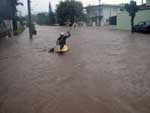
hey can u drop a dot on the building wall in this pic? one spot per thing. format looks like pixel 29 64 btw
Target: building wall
pixel 93 14
pixel 108 12
pixel 124 20
pixel 148 2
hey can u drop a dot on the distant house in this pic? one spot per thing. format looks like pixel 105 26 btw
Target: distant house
pixel 124 20
pixel 101 14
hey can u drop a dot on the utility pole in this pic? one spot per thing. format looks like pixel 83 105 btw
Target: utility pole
pixel 29 19
pixel 99 13
pixel 142 2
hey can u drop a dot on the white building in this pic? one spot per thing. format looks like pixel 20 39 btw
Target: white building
pixel 100 14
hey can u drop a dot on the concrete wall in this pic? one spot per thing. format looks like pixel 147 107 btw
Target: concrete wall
pixel 148 2
pixel 108 12
pixel 124 20
pixel 92 12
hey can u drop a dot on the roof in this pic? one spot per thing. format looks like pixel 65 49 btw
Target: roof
pixel 105 5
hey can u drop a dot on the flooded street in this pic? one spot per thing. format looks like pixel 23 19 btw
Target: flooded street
pixel 105 71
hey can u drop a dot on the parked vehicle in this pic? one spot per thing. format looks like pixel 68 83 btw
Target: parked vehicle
pixel 143 27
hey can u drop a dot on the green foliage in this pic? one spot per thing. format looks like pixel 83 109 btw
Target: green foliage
pixel 20 30
pixel 42 19
pixel 69 10
pixel 52 18
pixel 132 9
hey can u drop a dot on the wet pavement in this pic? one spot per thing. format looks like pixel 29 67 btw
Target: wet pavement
pixel 106 71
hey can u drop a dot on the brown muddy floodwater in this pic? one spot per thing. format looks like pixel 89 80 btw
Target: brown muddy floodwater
pixel 106 71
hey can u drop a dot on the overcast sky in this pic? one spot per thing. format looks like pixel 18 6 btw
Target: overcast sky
pixel 42 5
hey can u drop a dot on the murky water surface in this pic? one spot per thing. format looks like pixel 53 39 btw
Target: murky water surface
pixel 106 71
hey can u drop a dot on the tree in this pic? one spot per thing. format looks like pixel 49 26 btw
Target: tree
pixel 52 19
pixel 132 9
pixel 69 10
pixel 51 16
pixel 43 19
